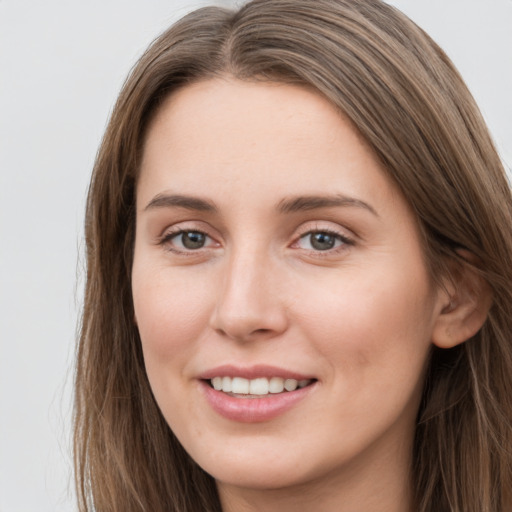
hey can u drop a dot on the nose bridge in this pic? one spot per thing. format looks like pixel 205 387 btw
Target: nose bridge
pixel 248 303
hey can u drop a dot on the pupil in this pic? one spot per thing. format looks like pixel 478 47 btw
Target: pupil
pixel 193 240
pixel 322 241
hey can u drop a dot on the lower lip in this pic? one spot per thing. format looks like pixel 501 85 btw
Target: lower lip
pixel 253 410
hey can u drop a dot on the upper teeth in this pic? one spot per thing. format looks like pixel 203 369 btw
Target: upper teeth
pixel 259 386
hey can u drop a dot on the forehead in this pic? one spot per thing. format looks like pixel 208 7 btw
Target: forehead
pixel 278 134
pixel 240 114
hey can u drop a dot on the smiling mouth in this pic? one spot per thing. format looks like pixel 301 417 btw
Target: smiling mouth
pixel 240 387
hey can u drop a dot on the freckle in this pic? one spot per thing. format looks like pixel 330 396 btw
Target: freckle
pixel 362 359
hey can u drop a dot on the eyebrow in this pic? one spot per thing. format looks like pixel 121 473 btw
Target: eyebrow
pixel 289 205
pixel 305 203
pixel 176 200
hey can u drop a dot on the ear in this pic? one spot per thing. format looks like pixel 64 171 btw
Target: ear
pixel 464 303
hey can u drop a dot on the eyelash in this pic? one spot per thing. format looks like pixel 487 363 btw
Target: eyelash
pixel 345 241
pixel 167 238
pixel 166 241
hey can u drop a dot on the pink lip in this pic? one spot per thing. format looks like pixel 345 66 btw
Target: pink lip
pixel 252 410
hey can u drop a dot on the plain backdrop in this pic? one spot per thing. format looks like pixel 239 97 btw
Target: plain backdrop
pixel 62 63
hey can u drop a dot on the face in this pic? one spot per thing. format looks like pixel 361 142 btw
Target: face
pixel 280 289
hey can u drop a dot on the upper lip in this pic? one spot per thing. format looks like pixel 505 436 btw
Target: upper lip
pixel 252 372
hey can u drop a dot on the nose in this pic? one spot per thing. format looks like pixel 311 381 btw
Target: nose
pixel 249 303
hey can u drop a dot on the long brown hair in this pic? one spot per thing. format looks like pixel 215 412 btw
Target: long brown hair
pixel 407 100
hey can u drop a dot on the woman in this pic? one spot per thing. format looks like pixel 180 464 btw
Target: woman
pixel 298 290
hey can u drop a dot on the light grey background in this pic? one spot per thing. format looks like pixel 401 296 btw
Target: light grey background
pixel 62 63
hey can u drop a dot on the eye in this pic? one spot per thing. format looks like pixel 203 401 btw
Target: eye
pixel 322 241
pixel 187 240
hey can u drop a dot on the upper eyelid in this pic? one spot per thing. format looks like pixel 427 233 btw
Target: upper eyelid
pixel 331 231
pixel 188 225
pixel 171 233
pixel 332 228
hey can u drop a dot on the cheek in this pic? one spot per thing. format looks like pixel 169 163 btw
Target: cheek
pixel 372 326
pixel 171 317
pixel 171 314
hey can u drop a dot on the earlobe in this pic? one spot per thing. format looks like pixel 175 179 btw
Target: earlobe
pixel 464 305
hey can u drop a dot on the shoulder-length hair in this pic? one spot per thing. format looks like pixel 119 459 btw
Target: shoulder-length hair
pixel 406 99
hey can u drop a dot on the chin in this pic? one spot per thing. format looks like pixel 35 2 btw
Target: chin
pixel 259 478
pixel 265 465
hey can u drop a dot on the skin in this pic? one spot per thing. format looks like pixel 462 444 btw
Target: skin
pixel 360 317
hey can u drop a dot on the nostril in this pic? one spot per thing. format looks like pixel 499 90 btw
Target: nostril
pixel 261 331
pixel 243 333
